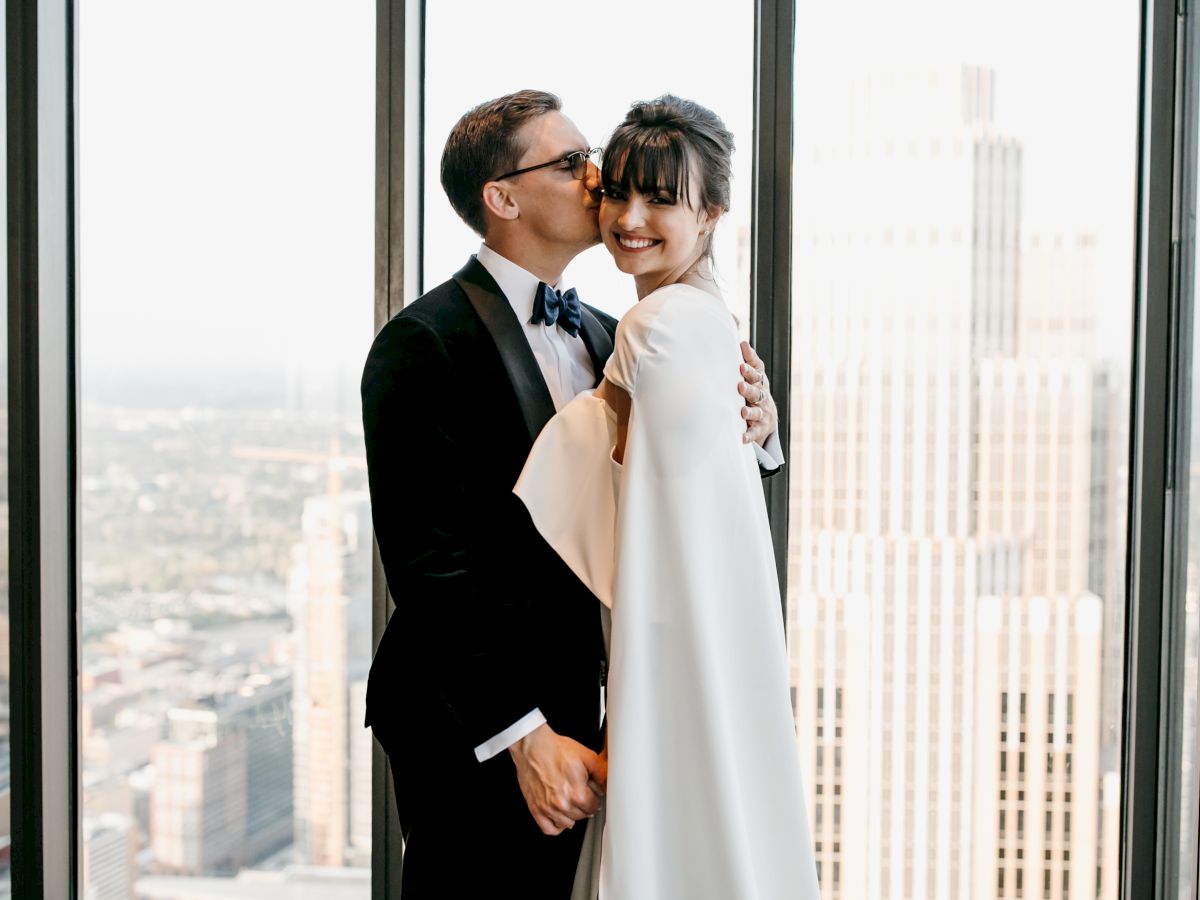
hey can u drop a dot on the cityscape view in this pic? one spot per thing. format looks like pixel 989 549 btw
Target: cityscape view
pixel 225 533
pixel 957 469
pixel 227 636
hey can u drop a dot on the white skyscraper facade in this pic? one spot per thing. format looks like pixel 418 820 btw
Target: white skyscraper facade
pixel 330 598
pixel 943 499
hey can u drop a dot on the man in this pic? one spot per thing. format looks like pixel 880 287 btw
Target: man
pixel 485 688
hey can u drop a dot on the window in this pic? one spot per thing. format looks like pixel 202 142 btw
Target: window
pixel 965 269
pixel 960 365
pixel 5 756
pixel 226 239
pixel 1183 605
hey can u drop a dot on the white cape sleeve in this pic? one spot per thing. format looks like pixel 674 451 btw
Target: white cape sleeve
pixel 704 796
pixel 568 486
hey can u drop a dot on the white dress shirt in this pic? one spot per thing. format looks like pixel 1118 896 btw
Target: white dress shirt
pixel 563 359
pixel 567 369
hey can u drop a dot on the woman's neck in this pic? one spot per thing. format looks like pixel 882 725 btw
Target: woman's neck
pixel 697 274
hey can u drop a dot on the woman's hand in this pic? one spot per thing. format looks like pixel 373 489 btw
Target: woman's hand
pixel 599 780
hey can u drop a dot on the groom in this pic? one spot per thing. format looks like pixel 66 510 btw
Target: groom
pixel 485 688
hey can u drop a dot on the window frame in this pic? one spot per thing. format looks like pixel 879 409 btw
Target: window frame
pixel 399 138
pixel 771 237
pixel 43 371
pixel 43 442
pixel 1154 433
pixel 1179 298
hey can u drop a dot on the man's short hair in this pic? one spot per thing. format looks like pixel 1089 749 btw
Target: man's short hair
pixel 484 144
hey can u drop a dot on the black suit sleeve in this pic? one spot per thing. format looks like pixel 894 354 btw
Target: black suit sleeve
pixel 455 631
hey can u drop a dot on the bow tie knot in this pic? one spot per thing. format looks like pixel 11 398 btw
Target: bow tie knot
pixel 551 307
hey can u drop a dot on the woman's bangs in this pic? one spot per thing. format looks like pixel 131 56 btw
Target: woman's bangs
pixel 649 162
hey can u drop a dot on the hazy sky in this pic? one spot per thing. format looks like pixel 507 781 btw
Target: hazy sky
pixel 227 148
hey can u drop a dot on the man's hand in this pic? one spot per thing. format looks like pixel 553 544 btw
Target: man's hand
pixel 760 412
pixel 553 773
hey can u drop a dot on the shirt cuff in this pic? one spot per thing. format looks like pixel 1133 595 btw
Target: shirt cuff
pixel 510 735
pixel 770 454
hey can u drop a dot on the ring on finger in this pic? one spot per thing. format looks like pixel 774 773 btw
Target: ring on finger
pixel 762 395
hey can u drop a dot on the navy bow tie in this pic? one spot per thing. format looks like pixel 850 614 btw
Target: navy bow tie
pixel 551 308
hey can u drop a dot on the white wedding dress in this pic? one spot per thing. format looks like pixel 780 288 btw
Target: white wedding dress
pixel 704 799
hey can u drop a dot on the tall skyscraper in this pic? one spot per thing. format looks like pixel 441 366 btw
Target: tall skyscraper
pixel 941 567
pixel 330 600
pixel 361 800
pixel 1036 773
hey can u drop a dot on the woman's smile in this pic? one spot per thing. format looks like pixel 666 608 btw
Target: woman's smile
pixel 634 243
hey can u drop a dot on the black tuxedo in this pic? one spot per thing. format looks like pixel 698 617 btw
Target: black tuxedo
pixel 489 622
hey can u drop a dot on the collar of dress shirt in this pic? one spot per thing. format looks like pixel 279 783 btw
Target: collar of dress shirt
pixel 518 285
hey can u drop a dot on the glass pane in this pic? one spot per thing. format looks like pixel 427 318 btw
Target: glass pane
pixel 964 221
pixel 227 256
pixel 5 770
pixel 676 58
pixel 1187 643
pixel 1184 608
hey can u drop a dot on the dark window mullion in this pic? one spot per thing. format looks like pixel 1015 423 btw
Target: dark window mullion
pixel 1150 513
pixel 399 101
pixel 42 448
pixel 771 277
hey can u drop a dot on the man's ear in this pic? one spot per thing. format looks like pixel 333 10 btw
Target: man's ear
pixel 500 202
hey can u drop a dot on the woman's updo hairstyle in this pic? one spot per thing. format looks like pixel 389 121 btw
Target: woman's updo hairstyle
pixel 659 144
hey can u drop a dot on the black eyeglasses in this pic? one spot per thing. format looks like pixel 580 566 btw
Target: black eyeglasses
pixel 577 161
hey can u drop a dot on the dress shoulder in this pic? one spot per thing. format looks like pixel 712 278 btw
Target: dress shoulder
pixel 657 321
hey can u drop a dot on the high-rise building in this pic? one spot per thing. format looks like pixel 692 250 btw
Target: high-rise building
pixel 109 857
pixel 263 711
pixel 330 601
pixel 1057 310
pixel 198 806
pixel 222 795
pixel 361 800
pixel 943 505
pixel 1036 772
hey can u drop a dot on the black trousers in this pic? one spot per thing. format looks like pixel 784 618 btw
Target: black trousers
pixel 471 835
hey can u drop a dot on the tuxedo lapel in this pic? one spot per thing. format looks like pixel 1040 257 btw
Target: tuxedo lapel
pixel 595 338
pixel 501 322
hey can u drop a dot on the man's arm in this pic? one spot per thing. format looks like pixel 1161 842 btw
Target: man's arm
pixel 469 637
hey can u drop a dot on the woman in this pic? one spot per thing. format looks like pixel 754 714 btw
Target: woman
pixel 647 491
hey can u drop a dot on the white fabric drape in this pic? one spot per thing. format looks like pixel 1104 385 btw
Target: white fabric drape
pixel 704 795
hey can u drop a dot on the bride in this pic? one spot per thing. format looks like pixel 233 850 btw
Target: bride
pixel 646 490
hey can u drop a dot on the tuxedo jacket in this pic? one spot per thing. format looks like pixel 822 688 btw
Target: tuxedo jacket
pixel 489 622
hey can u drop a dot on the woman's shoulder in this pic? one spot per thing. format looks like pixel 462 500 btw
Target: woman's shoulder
pixel 673 300
pixel 670 319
